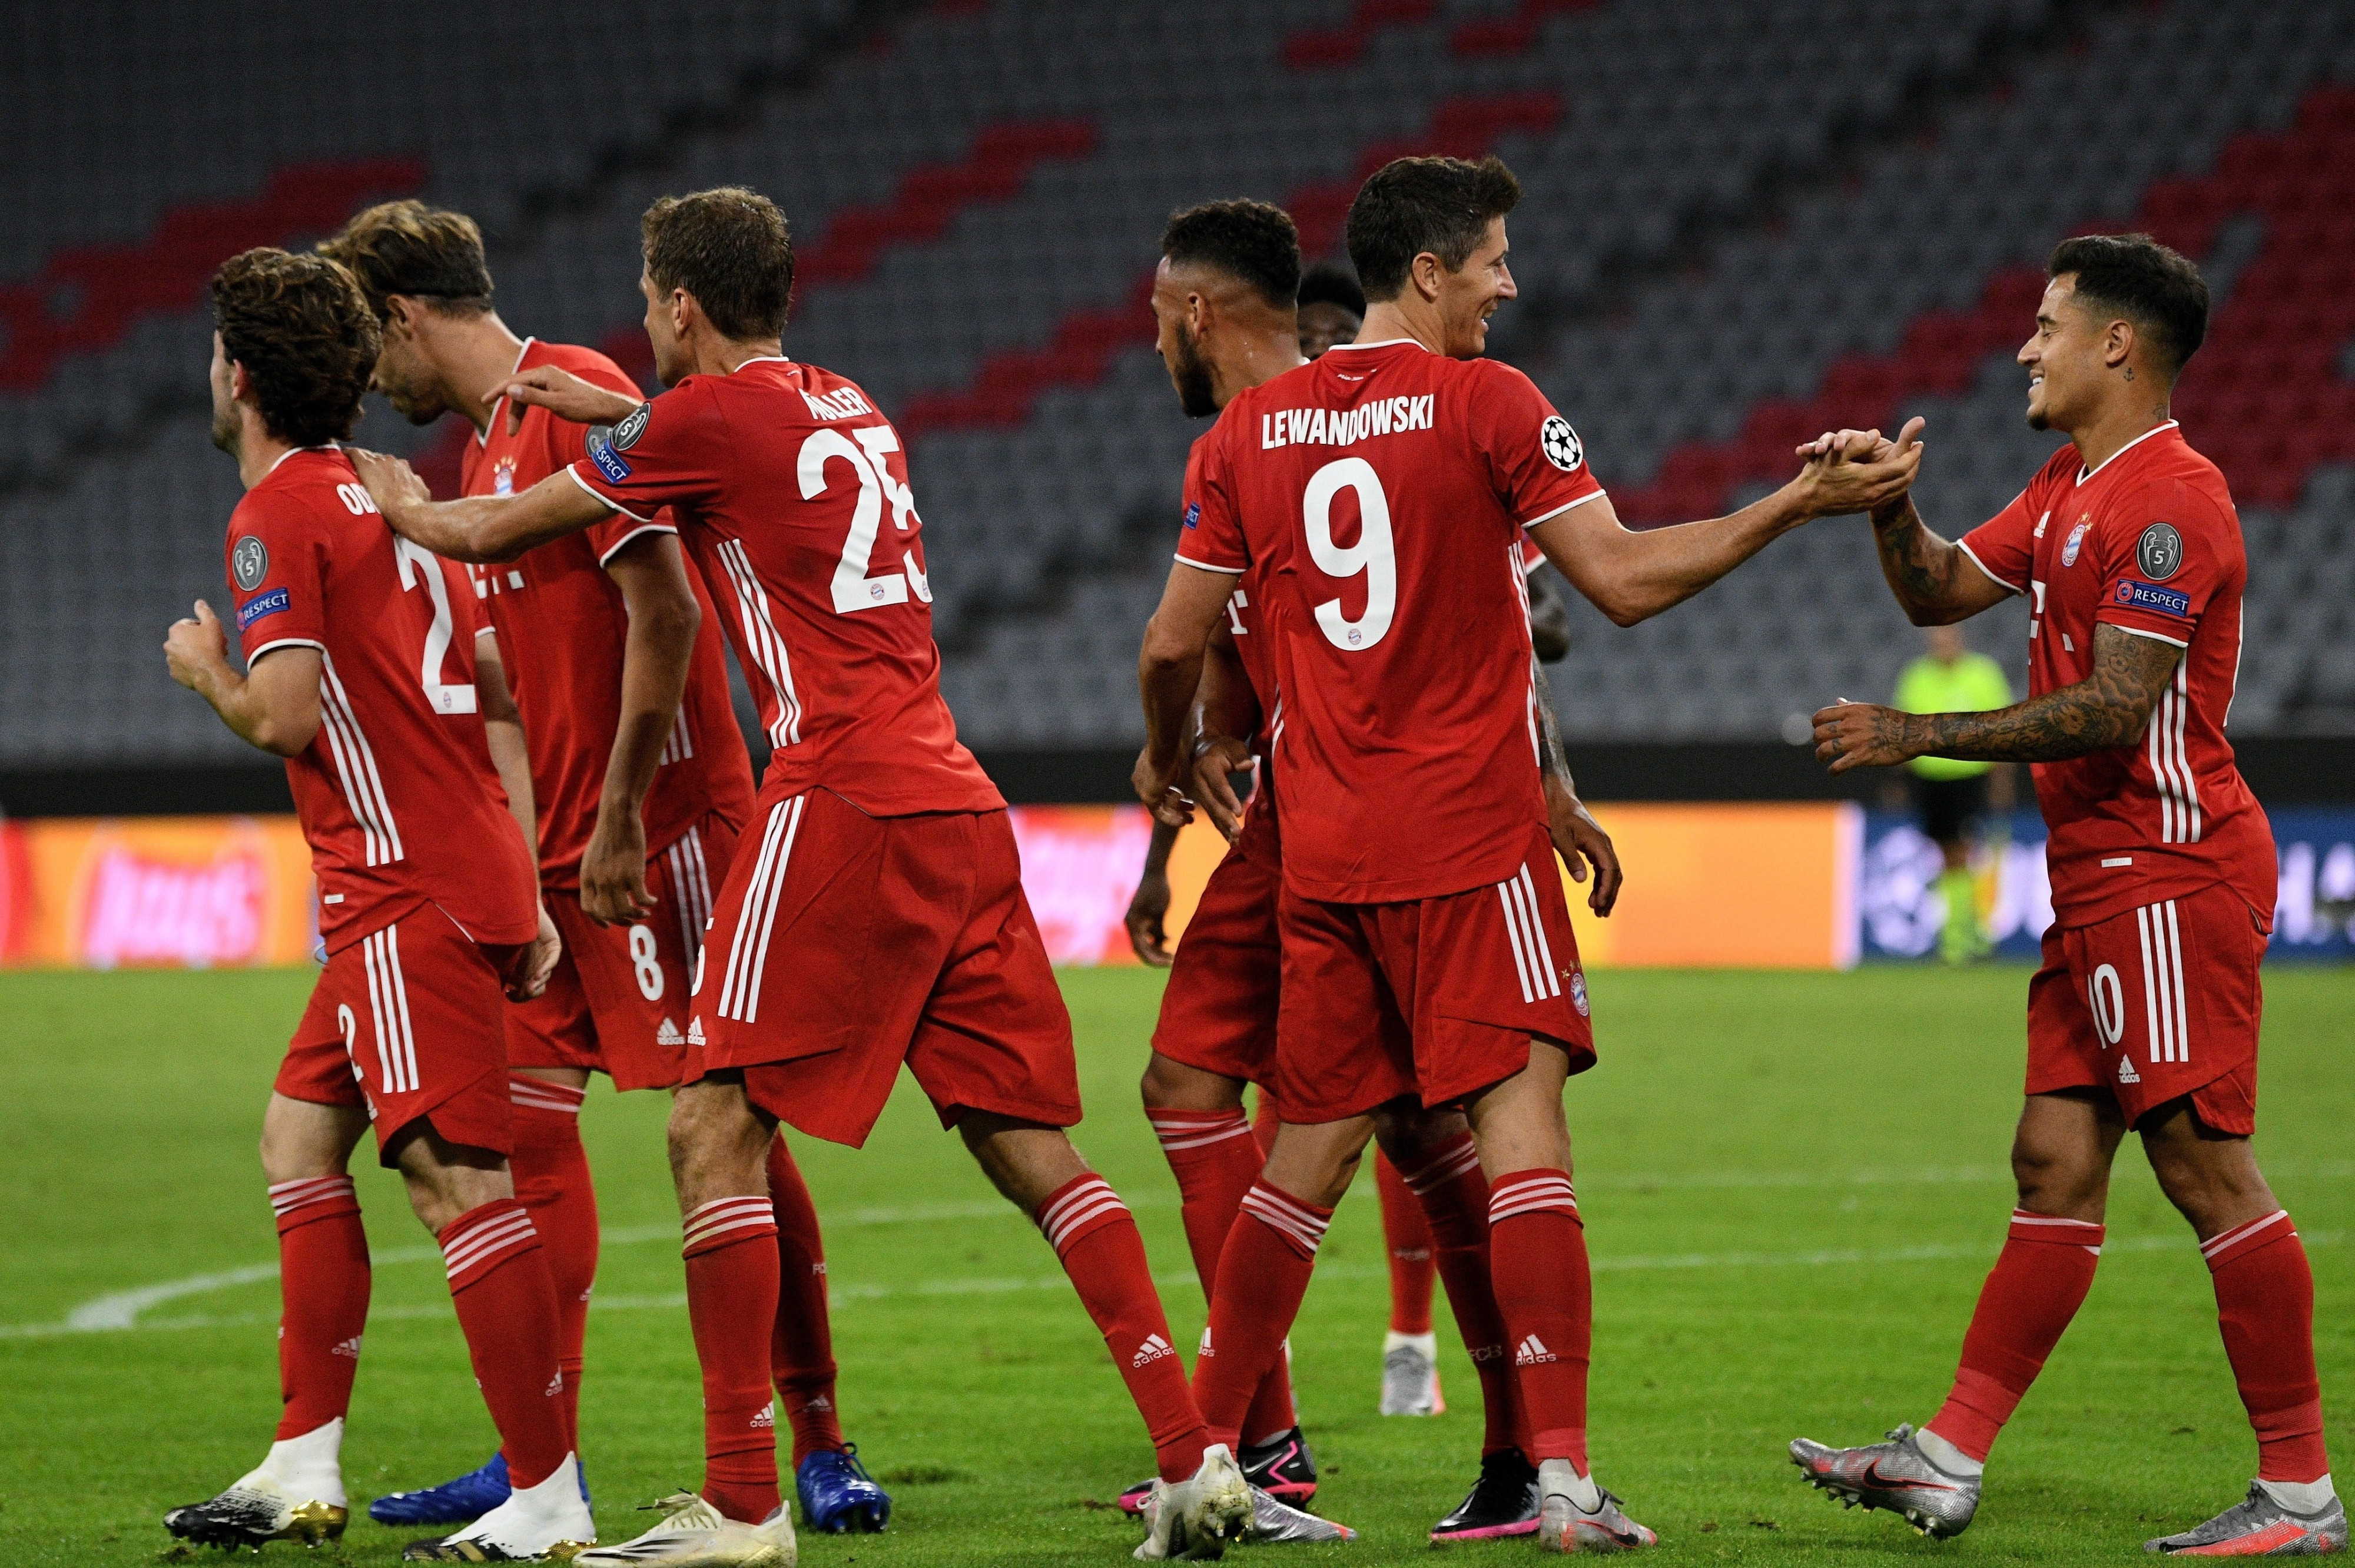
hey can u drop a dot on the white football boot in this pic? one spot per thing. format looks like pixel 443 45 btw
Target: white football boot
pixel 1196 1519
pixel 547 1521
pixel 694 1534
pixel 296 1493
pixel 1576 1515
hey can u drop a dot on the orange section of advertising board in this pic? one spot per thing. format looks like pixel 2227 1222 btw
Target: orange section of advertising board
pixel 1764 886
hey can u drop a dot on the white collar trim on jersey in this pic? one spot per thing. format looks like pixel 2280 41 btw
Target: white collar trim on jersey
pixel 1385 343
pixel 483 436
pixel 2085 473
pixel 291 451
pixel 765 359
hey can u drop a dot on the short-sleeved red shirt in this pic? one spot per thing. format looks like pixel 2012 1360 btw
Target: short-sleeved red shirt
pixel 397 793
pixel 561 626
pixel 792 493
pixel 2149 543
pixel 1380 494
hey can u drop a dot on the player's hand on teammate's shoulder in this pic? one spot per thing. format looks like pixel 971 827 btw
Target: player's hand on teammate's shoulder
pixel 194 647
pixel 1580 841
pixel 1859 471
pixel 563 394
pixel 390 481
pixel 1217 760
pixel 1864 735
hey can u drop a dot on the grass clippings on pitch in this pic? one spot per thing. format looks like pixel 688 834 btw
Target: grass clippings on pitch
pixel 1793 1185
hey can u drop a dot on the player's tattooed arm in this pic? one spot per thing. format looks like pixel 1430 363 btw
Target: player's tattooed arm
pixel 1933 579
pixel 2109 708
pixel 480 528
pixel 1549 619
pixel 1577 836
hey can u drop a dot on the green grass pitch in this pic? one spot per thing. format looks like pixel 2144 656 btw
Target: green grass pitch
pixel 1793 1185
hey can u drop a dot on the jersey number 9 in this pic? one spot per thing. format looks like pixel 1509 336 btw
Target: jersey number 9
pixel 1371 555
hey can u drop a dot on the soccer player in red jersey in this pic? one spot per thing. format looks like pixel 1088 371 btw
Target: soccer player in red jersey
pixel 639 787
pixel 361 672
pixel 875 834
pixel 2144 1014
pixel 1427 956
pixel 1227 270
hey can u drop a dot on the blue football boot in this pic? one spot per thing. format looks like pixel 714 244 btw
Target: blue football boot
pixel 461 1501
pixel 839 1495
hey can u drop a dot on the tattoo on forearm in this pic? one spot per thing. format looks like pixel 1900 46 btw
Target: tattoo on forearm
pixel 1919 564
pixel 2108 707
pixel 1551 757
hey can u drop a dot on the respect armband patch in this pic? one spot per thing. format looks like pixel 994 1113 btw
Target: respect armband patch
pixel 2133 595
pixel 269 603
pixel 600 453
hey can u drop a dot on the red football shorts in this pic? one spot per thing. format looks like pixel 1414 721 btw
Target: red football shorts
pixel 1435 997
pixel 617 1003
pixel 2152 1005
pixel 844 945
pixel 406 1022
pixel 1218 1012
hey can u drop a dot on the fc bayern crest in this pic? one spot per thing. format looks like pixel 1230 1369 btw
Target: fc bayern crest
pixel 627 434
pixel 2076 538
pixel 248 563
pixel 1578 992
pixel 2159 551
pixel 1561 443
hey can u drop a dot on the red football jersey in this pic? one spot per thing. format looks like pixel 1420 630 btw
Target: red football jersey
pixel 396 792
pixel 793 494
pixel 1380 494
pixel 1254 638
pixel 2148 543
pixel 561 626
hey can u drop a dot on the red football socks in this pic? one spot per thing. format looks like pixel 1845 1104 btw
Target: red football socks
pixel 552 1181
pixel 1453 1196
pixel 1263 1275
pixel 730 1247
pixel 1216 1158
pixel 1406 1235
pixel 2264 1305
pixel 1537 1267
pixel 1095 1238
pixel 322 1286
pixel 506 1307
pixel 801 1352
pixel 2035 1288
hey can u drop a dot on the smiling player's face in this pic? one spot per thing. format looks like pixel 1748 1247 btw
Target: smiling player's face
pixel 2065 357
pixel 1469 295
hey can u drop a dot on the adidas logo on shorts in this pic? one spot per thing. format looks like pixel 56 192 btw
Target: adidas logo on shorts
pixel 2126 1074
pixel 668 1034
pixel 1154 1348
pixel 1532 1353
pixel 695 1032
pixel 1204 1347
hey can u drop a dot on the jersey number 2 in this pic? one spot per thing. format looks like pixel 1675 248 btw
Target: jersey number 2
pixel 418 563
pixel 853 589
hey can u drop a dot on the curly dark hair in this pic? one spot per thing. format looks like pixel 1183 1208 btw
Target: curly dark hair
pixel 305 333
pixel 732 250
pixel 1251 241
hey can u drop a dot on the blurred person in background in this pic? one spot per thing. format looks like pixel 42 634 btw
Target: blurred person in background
pixel 1952 796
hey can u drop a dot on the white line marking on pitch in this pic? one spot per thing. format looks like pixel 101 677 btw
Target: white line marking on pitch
pixel 84 1322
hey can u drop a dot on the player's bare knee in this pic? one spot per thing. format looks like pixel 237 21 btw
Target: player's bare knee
pixel 2211 1178
pixel 300 1141
pixel 2055 1179
pixel 1170 1086
pixel 1026 1161
pixel 1409 1134
pixel 719 1143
